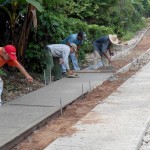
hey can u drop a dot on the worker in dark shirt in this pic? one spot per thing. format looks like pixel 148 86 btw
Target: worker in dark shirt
pixel 102 47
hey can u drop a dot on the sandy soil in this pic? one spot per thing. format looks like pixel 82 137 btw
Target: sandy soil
pixel 16 86
pixel 61 125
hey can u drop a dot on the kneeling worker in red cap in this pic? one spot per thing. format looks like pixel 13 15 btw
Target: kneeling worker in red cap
pixel 8 56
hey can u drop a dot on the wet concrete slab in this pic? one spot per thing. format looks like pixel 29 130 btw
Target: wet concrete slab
pixel 26 112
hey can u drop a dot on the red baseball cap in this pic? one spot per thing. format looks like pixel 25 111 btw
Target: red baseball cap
pixel 11 50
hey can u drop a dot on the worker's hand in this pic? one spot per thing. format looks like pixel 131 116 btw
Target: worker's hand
pixel 29 79
pixel 70 72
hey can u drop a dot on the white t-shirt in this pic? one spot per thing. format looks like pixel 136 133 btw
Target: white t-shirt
pixel 61 51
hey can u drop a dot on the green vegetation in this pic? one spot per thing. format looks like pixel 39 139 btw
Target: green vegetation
pixel 31 24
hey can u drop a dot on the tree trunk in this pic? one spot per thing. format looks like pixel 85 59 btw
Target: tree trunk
pixel 23 39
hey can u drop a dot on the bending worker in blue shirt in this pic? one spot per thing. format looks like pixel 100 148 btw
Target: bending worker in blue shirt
pixel 102 46
pixel 78 40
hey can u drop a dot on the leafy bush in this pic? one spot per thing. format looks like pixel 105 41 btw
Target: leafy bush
pixel 2 72
pixel 35 58
pixel 54 27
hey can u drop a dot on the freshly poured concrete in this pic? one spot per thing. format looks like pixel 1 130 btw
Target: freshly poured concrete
pixel 117 124
pixel 18 116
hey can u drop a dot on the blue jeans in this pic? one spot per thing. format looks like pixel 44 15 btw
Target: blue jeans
pixel 74 62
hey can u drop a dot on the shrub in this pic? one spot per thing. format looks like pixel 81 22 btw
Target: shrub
pixel 35 58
